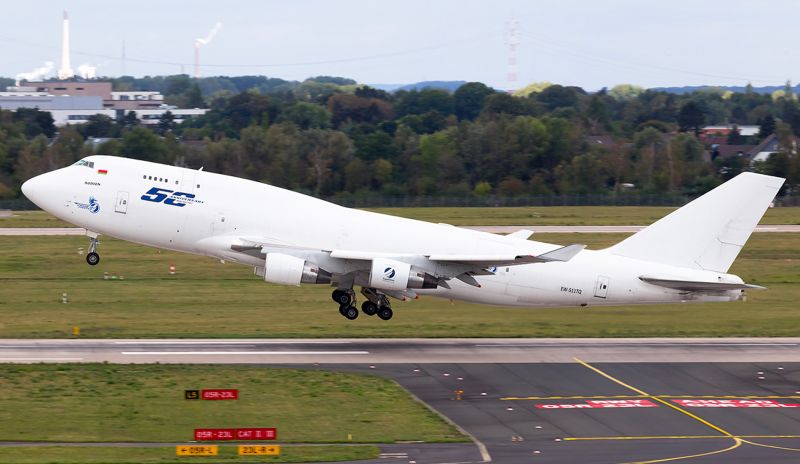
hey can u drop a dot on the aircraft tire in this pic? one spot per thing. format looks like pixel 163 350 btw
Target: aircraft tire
pixel 342 297
pixel 351 313
pixel 385 313
pixel 369 308
pixel 92 258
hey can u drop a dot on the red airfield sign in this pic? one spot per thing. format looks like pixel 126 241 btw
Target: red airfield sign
pixel 601 404
pixel 695 403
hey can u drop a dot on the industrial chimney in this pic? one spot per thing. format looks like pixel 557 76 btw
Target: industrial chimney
pixel 65 72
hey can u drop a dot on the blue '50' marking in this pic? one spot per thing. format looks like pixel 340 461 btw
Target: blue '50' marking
pixel 168 197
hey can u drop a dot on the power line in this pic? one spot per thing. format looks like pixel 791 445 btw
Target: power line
pixel 273 65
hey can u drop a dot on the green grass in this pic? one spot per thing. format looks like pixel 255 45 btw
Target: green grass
pixel 209 299
pixel 507 216
pixel 144 403
pixel 131 455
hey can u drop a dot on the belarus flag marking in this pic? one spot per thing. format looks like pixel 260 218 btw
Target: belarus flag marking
pixel 102 171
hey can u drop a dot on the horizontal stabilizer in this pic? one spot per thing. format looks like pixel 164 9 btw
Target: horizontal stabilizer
pixel 522 234
pixel 562 254
pixel 698 286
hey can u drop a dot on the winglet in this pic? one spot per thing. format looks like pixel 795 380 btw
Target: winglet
pixel 562 254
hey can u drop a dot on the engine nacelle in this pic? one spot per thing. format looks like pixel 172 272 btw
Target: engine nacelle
pixel 291 270
pixel 389 274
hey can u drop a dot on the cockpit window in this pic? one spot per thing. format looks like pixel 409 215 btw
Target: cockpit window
pixel 89 164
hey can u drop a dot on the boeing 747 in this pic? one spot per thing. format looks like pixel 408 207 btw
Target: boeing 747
pixel 292 239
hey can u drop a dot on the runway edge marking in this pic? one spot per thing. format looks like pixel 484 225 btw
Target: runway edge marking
pixel 481 447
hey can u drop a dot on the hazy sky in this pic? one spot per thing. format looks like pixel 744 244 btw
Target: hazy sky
pixel 590 43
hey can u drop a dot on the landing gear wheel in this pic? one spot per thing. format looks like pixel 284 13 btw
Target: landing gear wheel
pixel 92 258
pixel 343 310
pixel 351 312
pixel 385 313
pixel 342 297
pixel 369 308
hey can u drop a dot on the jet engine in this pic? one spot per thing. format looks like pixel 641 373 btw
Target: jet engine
pixel 389 274
pixel 291 270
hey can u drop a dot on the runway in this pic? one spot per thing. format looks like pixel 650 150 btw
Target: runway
pixel 34 231
pixel 398 351
pixel 537 400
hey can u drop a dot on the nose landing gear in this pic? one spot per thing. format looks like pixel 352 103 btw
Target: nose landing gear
pixel 92 257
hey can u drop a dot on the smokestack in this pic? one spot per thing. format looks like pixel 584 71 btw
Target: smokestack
pixel 66 71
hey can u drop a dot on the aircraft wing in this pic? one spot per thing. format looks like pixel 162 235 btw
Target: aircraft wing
pixel 561 254
pixel 481 261
pixel 441 267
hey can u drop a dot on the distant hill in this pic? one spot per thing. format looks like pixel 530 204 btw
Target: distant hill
pixel 736 89
pixel 450 86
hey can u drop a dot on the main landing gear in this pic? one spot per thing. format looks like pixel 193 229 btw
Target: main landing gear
pixel 92 257
pixel 376 304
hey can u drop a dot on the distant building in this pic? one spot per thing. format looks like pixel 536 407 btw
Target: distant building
pixel 74 102
pixel 769 146
pixel 719 133
pixel 752 153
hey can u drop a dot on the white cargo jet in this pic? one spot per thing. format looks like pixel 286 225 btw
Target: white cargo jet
pixel 289 239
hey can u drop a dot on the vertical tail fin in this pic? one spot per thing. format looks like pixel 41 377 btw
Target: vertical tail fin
pixel 709 232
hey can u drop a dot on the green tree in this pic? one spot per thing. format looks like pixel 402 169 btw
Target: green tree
pixel 533 87
pixel 35 122
pixel 691 117
pixel 469 98
pixel 143 144
pixel 323 150
pixel 766 126
pixel 166 123
pixel 307 116
pixel 100 125
pixel 625 92
pixel 344 107
pixel 193 98
pixel 423 101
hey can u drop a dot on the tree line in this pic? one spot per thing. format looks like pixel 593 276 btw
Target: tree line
pixel 331 137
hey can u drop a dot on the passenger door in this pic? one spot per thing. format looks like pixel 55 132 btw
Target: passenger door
pixel 122 203
pixel 601 287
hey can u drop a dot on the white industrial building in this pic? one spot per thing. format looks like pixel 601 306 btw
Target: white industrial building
pixel 75 102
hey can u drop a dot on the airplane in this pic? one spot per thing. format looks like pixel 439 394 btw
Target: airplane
pixel 290 238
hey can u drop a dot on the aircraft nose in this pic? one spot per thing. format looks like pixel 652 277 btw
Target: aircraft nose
pixel 34 189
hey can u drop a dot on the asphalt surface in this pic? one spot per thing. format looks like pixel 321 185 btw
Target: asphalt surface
pixel 393 351
pixel 549 401
pixel 518 430
pixel 18 231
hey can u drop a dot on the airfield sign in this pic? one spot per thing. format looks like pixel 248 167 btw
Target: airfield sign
pixel 196 450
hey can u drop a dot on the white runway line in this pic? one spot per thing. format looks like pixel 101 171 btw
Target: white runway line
pixel 671 345
pixel 246 343
pixel 237 353
pixel 41 359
